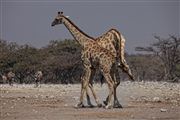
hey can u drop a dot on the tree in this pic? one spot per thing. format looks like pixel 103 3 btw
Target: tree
pixel 168 51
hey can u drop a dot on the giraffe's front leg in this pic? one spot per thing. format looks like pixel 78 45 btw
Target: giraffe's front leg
pixel 85 82
pixel 88 98
pixel 90 85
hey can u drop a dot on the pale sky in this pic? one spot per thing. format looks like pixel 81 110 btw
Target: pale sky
pixel 29 21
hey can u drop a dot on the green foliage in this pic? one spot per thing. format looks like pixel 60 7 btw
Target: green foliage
pixel 178 70
pixel 59 61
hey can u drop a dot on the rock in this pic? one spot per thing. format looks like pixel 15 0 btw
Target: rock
pixel 18 98
pixel 156 99
pixel 132 98
pixel 144 98
pixel 163 110
pixel 167 98
pixel 174 101
pixel 27 96
pixel 153 118
pixel 132 116
pixel 75 98
pixel 8 114
pixel 51 96
pixel 36 96
pixel 35 111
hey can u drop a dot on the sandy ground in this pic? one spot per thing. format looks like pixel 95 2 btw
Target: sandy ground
pixel 141 101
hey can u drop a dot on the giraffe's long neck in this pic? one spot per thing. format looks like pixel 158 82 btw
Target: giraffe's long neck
pixel 78 35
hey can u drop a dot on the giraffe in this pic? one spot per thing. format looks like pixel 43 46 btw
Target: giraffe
pixel 38 77
pixel 9 77
pixel 93 56
pixel 114 41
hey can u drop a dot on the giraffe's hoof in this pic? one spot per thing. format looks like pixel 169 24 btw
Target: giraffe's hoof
pixel 108 106
pixel 117 106
pixel 91 105
pixel 99 105
pixel 79 105
pixel 132 79
pixel 105 103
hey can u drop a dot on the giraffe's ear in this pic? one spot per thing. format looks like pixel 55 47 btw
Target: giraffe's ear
pixel 60 13
pixel 67 16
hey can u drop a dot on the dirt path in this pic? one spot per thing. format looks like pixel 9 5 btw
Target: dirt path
pixel 141 101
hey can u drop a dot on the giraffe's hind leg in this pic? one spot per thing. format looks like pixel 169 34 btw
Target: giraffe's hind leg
pixel 106 101
pixel 116 101
pixel 116 84
pixel 110 83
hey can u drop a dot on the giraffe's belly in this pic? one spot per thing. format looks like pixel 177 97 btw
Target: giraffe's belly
pixel 95 63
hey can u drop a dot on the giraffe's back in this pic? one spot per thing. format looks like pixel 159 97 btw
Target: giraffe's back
pixel 110 41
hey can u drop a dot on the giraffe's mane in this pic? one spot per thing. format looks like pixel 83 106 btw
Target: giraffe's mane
pixel 78 28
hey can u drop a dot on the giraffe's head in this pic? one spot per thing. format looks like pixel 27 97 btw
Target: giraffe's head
pixel 58 19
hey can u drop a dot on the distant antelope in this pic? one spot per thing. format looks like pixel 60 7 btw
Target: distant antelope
pixel 4 78
pixel 38 77
pixel 9 77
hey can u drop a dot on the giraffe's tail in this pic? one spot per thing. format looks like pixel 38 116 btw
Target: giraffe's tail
pixel 120 54
pixel 102 80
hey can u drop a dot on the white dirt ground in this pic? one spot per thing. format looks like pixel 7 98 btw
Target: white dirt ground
pixel 141 101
